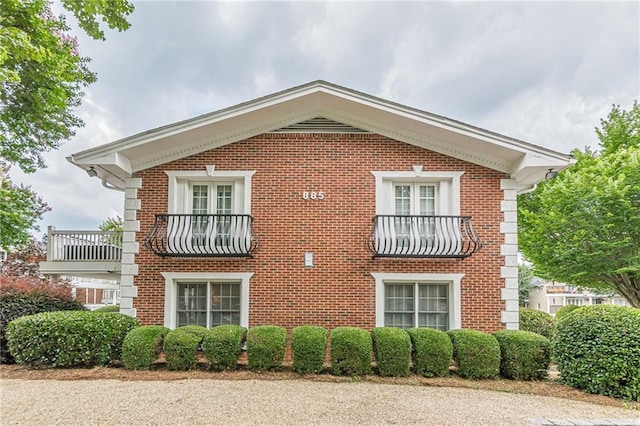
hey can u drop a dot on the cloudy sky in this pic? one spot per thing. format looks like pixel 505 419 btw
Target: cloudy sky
pixel 541 72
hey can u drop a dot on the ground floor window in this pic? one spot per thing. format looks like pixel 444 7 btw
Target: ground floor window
pixel 206 299
pixel 208 303
pixel 409 305
pixel 408 300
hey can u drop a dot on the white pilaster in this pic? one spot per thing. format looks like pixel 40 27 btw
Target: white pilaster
pixel 130 247
pixel 509 251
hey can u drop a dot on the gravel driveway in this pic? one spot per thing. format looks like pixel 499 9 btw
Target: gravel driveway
pixel 207 402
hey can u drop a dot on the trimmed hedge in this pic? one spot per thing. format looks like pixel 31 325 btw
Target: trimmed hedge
pixel 222 345
pixel 351 350
pixel 432 352
pixel 181 347
pixel 392 350
pixel 597 349
pixel 477 354
pixel 14 305
pixel 537 322
pixel 108 308
pixel 142 346
pixel 308 344
pixel 562 312
pixel 265 347
pixel 524 355
pixel 68 338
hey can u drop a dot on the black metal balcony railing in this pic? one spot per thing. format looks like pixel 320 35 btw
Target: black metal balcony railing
pixel 423 236
pixel 201 235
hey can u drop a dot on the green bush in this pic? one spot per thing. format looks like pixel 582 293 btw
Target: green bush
pixel 309 344
pixel 432 352
pixel 222 345
pixel 351 350
pixel 181 347
pixel 68 338
pixel 142 346
pixel 524 355
pixel 597 349
pixel 108 308
pixel 537 322
pixel 265 347
pixel 562 312
pixel 477 354
pixel 392 350
pixel 16 304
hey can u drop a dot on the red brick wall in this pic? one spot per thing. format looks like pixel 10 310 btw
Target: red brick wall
pixel 339 289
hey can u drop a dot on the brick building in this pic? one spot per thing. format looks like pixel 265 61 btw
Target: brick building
pixel 316 205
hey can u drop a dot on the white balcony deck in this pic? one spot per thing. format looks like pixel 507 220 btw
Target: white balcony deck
pixel 88 254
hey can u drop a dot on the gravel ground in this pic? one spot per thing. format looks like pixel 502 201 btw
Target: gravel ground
pixel 209 402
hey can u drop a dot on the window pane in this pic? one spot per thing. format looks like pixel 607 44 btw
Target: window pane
pixel 225 303
pixel 399 305
pixel 224 199
pixel 192 304
pixel 433 306
pixel 403 199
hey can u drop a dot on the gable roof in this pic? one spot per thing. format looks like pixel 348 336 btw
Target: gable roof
pixel 525 162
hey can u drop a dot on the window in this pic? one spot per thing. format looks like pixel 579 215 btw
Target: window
pixel 423 193
pixel 206 298
pixel 206 200
pixel 574 301
pixel 429 309
pixel 208 303
pixel 408 300
pixel 419 200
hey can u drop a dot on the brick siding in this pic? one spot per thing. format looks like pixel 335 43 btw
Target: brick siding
pixel 339 289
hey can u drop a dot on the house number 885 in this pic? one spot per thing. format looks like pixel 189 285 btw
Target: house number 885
pixel 313 195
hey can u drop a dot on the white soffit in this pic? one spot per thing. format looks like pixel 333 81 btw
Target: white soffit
pixel 321 99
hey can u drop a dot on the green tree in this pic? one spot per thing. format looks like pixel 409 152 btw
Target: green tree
pixel 41 79
pixel 583 228
pixel 113 224
pixel 20 209
pixel 524 283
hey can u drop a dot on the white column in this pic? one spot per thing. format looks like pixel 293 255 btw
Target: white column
pixel 509 251
pixel 129 246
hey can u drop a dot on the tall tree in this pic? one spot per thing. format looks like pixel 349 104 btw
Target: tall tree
pixel 41 79
pixel 583 228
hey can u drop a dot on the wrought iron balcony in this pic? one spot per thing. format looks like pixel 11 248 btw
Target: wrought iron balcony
pixel 201 235
pixel 423 236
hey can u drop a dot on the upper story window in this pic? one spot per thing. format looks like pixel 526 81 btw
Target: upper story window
pixel 418 215
pixel 208 214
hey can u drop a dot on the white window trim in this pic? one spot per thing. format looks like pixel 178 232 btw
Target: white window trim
pixel 448 189
pixel 382 278
pixel 176 204
pixel 171 280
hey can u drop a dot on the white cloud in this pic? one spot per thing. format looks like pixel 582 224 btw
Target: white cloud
pixel 543 72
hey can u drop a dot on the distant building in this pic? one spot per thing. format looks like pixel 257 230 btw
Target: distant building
pixel 94 292
pixel 550 296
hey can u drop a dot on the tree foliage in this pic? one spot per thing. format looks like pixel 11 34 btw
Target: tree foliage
pixel 583 228
pixel 524 283
pixel 42 76
pixel 20 209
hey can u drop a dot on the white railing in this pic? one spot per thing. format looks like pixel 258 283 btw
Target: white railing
pixel 84 246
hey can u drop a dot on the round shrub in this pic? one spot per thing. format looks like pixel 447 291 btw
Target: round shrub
pixel 142 346
pixel 181 347
pixel 432 352
pixel 222 345
pixel 477 354
pixel 597 349
pixel 68 338
pixel 392 350
pixel 562 312
pixel 351 350
pixel 108 308
pixel 537 322
pixel 265 347
pixel 15 304
pixel 309 344
pixel 524 355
